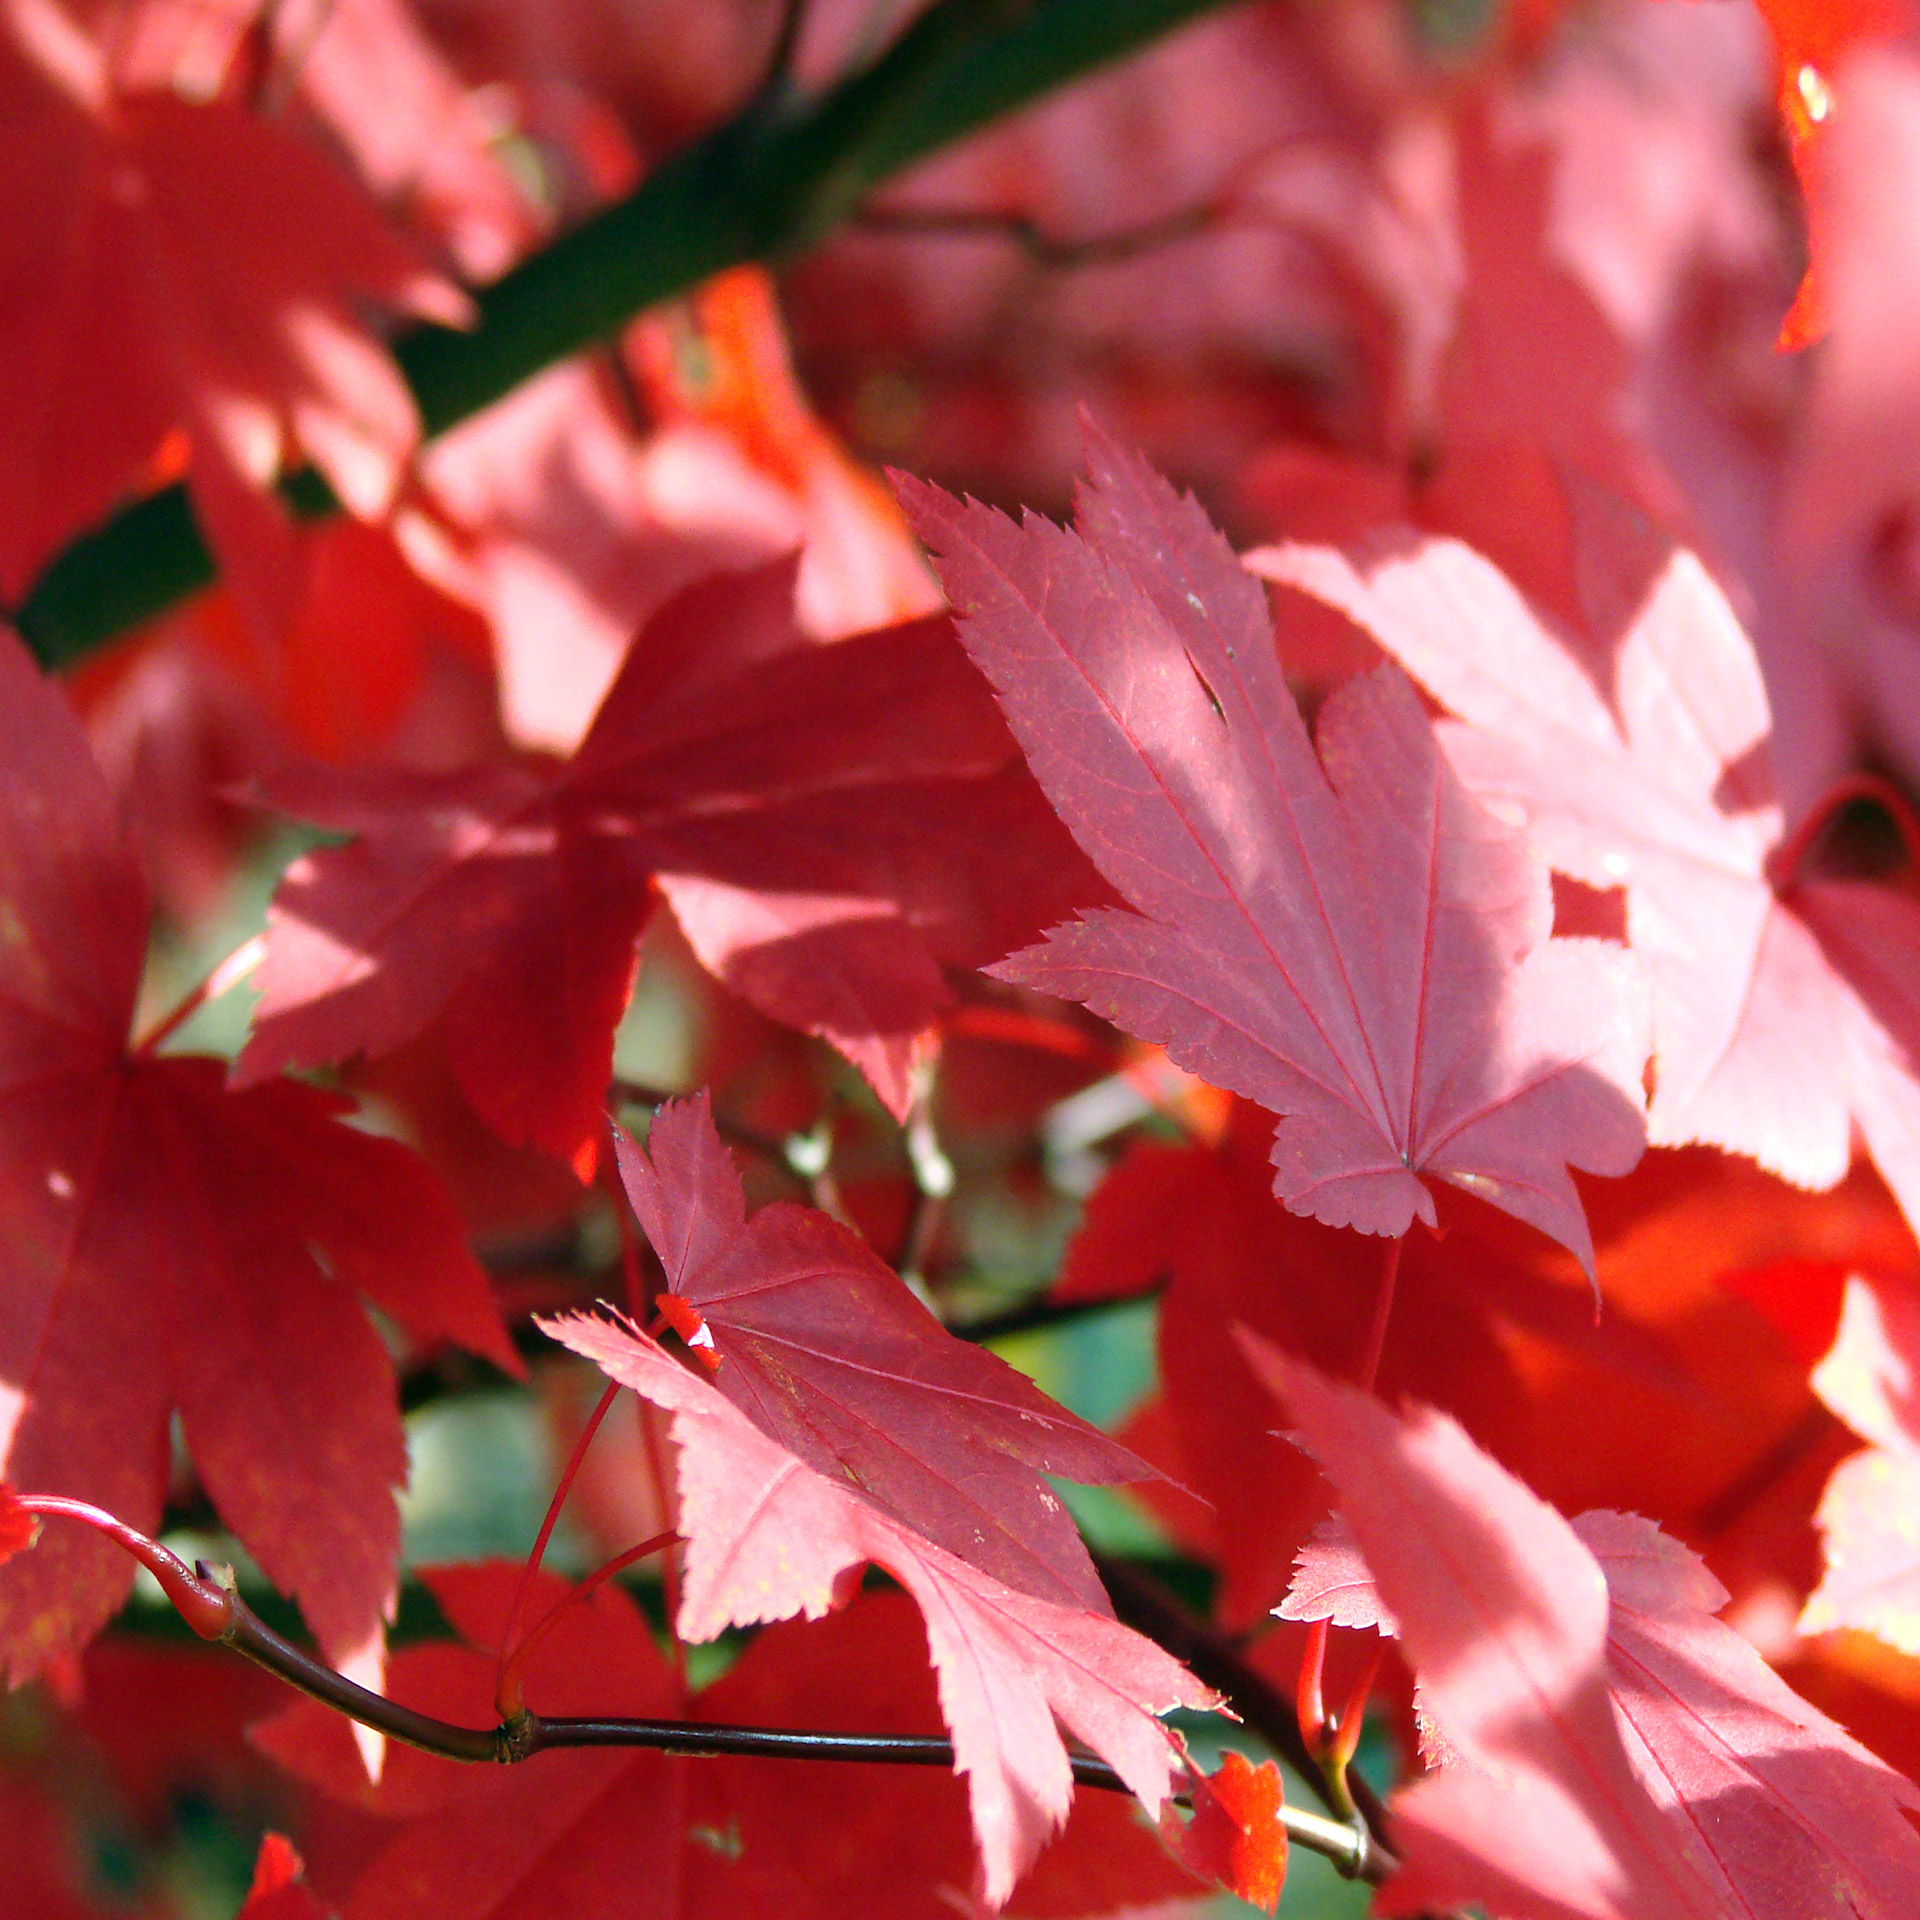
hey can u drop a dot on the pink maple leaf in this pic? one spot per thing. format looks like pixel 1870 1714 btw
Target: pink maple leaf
pixel 1785 1010
pixel 826 1351
pixel 768 1537
pixel 1768 1805
pixel 1347 938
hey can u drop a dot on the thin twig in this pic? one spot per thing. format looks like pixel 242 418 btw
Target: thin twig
pixel 527 1734
pixel 1039 246
pixel 1146 1606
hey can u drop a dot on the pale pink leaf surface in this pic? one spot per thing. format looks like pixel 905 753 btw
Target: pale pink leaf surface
pixel 1348 938
pixel 1870 1378
pixel 767 1538
pixel 798 801
pixel 1776 1803
pixel 1503 1614
pixel 1782 1013
pixel 168 1246
pixel 826 1350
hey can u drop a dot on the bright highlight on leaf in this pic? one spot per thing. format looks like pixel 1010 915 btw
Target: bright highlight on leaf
pixel 823 821
pixel 1665 1768
pixel 1235 1837
pixel 1346 937
pixel 1786 1008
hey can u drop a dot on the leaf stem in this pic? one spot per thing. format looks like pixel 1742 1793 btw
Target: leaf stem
pixel 1146 1606
pixel 508 1653
pixel 222 980
pixel 1382 1313
pixel 1783 865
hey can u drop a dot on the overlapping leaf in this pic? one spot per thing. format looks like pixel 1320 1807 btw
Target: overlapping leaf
pixel 1770 1802
pixel 679 1838
pixel 831 822
pixel 1503 1614
pixel 197 268
pixel 825 1350
pixel 768 1538
pixel 1347 938
pixel 1785 1010
pixel 169 1246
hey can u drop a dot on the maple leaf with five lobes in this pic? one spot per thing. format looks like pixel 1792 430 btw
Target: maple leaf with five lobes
pixel 830 823
pixel 1615 1751
pixel 199 267
pixel 769 1537
pixel 827 1352
pixel 1785 1010
pixel 1349 938
pixel 167 1245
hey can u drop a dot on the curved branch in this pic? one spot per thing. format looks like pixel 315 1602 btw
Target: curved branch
pixel 768 183
pixel 1351 1849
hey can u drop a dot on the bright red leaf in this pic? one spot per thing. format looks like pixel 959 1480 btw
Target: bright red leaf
pixel 1235 1836
pixel 682 1838
pixel 169 1246
pixel 826 1351
pixel 1785 1010
pixel 202 270
pixel 830 822
pixel 768 1537
pixel 279 1890
pixel 1348 939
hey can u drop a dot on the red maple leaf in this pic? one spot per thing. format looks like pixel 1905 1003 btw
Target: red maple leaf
pixel 1349 939
pixel 681 1838
pixel 1764 1798
pixel 198 269
pixel 826 1351
pixel 1235 1836
pixel 1785 1010
pixel 279 1890
pixel 768 1537
pixel 829 822
pixel 1869 1378
pixel 168 1245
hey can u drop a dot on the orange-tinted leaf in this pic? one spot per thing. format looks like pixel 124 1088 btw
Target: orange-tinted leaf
pixel 1235 1836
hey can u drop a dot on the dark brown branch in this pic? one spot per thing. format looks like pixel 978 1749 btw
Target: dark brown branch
pixel 527 1734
